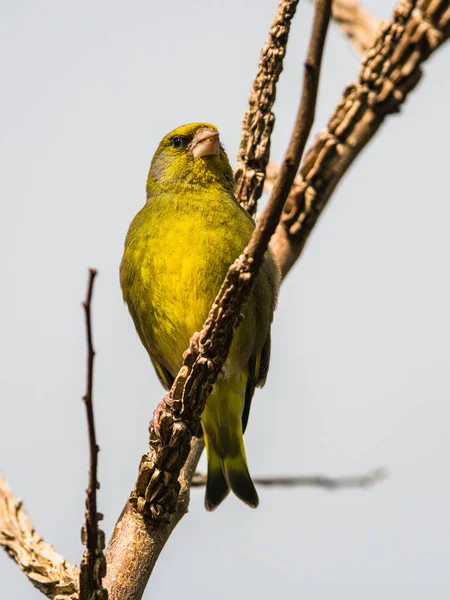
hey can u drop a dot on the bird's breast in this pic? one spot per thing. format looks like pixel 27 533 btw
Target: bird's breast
pixel 176 271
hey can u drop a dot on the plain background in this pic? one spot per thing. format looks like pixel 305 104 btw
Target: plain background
pixel 360 362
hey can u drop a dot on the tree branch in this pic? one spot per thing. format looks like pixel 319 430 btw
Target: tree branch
pixel 330 483
pixel 136 542
pixel 358 24
pixel 93 563
pixel 177 417
pixel 257 126
pixel 389 71
pixel 47 570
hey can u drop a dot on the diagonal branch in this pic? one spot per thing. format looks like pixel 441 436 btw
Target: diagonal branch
pixel 47 570
pixel 254 148
pixel 93 563
pixel 136 542
pixel 177 418
pixel 253 166
pixel 389 71
pixel 151 538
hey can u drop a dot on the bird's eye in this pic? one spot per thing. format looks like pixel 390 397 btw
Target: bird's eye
pixel 177 142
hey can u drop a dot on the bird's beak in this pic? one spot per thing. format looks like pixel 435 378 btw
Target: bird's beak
pixel 205 143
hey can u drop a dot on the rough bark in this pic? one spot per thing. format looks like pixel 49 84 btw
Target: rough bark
pixel 390 69
pixel 136 542
pixel 259 119
pixel 177 417
pixel 47 570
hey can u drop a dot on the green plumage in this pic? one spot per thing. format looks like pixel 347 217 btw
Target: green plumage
pixel 177 252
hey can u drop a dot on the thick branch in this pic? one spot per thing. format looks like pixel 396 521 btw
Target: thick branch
pixel 254 149
pixel 47 570
pixel 93 563
pixel 389 71
pixel 177 417
pixel 289 259
pixel 136 542
pixel 330 483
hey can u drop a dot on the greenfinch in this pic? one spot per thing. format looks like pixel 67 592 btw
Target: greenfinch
pixel 177 252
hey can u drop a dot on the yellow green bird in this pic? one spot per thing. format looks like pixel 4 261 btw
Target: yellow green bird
pixel 177 252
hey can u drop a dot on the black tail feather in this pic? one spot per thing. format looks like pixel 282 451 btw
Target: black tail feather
pixel 239 480
pixel 216 487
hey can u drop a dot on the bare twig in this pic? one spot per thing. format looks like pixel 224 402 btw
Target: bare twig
pixel 389 71
pixel 93 563
pixel 358 24
pixel 330 483
pixel 47 570
pixel 177 417
pixel 254 149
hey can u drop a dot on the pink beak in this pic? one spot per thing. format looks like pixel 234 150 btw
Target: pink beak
pixel 205 143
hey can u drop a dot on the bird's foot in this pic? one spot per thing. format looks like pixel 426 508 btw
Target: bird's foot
pixel 194 345
pixel 155 423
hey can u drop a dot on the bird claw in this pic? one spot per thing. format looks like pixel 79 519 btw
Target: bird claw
pixel 194 345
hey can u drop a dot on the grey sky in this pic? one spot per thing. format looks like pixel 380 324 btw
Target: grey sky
pixel 359 374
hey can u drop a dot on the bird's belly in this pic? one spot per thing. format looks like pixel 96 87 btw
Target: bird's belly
pixel 174 275
pixel 179 310
pixel 181 292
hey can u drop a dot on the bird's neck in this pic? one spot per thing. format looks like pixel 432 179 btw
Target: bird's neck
pixel 202 176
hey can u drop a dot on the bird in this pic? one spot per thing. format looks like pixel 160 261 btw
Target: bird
pixel 177 252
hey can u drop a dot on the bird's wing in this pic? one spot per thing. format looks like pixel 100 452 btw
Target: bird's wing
pixel 258 367
pixel 164 375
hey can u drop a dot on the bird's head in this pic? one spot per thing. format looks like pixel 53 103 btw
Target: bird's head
pixel 190 155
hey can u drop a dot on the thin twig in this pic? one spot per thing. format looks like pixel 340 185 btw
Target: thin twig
pixel 93 563
pixel 258 122
pixel 330 483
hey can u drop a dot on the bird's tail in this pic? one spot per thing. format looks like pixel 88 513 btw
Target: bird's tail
pixel 216 485
pixel 229 472
pixel 239 480
pixel 227 464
